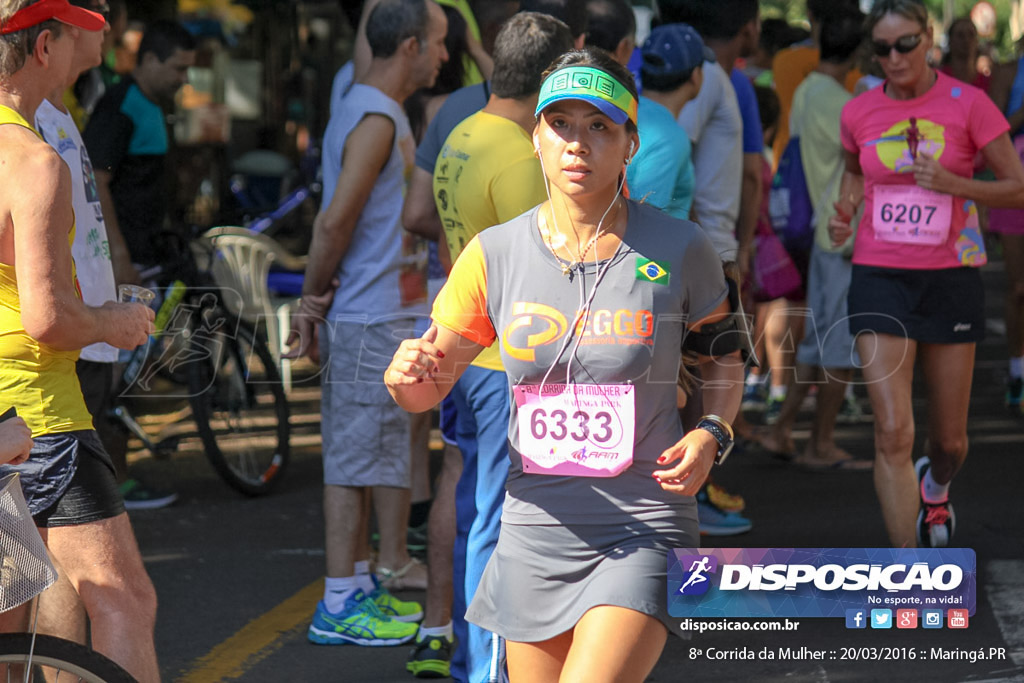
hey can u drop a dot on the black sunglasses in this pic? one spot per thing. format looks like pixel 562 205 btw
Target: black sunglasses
pixel 903 45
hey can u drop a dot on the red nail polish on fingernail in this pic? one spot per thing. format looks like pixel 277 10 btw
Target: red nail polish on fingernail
pixel 440 354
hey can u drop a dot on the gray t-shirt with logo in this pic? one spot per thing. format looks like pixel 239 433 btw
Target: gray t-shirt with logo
pixel 507 285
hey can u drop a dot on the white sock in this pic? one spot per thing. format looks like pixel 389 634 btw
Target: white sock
pixel 756 378
pixel 849 391
pixel 777 393
pixel 363 578
pixel 365 582
pixel 1016 367
pixel 932 491
pixel 436 631
pixel 337 591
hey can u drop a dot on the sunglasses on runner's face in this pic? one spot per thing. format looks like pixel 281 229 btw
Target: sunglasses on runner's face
pixel 903 45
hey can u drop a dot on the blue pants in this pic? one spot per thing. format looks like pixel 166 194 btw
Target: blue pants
pixel 481 400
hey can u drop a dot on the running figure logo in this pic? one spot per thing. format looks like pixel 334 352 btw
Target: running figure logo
pixel 696 581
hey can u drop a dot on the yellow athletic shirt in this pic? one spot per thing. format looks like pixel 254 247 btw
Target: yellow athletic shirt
pixel 40 382
pixel 485 175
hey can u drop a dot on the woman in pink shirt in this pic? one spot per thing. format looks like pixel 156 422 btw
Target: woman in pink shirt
pixel 916 293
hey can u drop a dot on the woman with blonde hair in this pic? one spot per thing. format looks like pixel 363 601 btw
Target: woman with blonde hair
pixel 916 292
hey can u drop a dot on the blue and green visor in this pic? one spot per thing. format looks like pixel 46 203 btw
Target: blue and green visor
pixel 595 86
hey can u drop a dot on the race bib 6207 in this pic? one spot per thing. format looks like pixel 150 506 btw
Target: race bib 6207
pixel 911 215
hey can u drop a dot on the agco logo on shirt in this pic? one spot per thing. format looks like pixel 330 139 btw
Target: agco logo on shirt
pixel 535 325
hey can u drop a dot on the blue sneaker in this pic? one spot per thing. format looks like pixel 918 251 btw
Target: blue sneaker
pixel 390 606
pixel 360 622
pixel 754 397
pixel 715 521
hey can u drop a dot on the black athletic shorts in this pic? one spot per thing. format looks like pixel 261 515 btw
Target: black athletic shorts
pixel 943 306
pixel 89 496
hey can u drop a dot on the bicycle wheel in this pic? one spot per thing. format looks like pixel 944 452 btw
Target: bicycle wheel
pixel 239 406
pixel 56 659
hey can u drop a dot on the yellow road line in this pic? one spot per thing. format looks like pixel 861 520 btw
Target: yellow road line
pixel 256 640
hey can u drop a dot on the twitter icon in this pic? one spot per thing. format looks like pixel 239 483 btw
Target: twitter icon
pixel 881 618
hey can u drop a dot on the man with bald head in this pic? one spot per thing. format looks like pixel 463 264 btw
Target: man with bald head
pixel 358 247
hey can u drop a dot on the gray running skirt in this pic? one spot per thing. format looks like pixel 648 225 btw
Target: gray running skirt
pixel 542 579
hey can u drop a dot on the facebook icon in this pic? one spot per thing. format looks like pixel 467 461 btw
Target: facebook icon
pixel 856 618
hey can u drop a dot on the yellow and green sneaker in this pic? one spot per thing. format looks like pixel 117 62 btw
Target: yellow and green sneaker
pixel 360 622
pixel 408 611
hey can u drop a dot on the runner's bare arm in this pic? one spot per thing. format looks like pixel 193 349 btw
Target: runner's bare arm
pixel 721 377
pixel 120 259
pixel 851 194
pixel 51 310
pixel 419 213
pixel 362 55
pixel 722 389
pixel 367 149
pixel 750 206
pixel 15 441
pixel 1005 192
pixel 423 370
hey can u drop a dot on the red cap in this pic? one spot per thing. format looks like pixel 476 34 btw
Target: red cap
pixel 61 10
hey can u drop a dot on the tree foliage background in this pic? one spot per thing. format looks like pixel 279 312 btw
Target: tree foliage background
pixel 1002 42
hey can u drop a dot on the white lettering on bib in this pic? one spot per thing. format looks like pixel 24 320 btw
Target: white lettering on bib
pixel 582 430
pixel 911 215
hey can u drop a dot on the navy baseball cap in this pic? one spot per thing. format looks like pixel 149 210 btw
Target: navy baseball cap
pixel 674 49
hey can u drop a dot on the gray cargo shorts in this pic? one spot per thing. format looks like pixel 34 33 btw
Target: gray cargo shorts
pixel 365 433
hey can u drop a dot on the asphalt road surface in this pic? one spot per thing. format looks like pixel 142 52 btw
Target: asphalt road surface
pixel 238 578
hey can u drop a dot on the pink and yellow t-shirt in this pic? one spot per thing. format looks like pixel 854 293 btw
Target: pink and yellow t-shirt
pixel 905 226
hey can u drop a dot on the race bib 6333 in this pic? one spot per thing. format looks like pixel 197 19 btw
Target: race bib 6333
pixel 583 430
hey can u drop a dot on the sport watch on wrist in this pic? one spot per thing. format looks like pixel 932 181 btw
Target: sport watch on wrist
pixel 722 431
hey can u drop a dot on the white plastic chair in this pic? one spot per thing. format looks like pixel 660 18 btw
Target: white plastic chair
pixel 241 261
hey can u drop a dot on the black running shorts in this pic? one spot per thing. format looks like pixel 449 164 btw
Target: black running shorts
pixel 944 306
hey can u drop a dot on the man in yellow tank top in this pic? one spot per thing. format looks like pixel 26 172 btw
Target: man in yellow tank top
pixel 68 478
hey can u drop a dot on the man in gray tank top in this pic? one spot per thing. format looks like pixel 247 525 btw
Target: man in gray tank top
pixel 357 249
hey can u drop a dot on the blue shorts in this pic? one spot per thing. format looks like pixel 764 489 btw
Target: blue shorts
pixel 448 417
pixel 69 480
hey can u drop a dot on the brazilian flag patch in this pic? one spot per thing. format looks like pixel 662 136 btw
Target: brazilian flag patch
pixel 652 271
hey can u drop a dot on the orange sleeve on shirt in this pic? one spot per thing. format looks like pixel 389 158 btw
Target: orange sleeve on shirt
pixel 461 305
pixel 789 68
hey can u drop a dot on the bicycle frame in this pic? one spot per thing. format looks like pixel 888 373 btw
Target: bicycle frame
pixel 207 349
